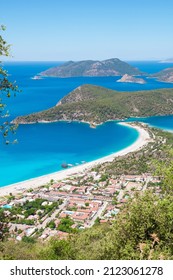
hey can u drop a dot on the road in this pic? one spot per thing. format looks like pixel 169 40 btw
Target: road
pixel 98 214
pixel 48 219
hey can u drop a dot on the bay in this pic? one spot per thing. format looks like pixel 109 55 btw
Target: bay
pixel 43 147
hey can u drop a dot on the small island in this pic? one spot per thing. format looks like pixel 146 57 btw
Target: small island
pixel 131 79
pixel 168 60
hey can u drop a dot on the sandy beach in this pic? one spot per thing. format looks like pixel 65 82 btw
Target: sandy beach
pixel 142 140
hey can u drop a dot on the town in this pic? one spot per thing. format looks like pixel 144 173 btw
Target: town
pixel 67 206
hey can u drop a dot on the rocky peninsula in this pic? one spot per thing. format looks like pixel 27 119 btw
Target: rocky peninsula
pixel 165 75
pixel 95 105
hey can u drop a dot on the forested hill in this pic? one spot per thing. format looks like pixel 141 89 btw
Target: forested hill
pixel 96 104
pixel 109 67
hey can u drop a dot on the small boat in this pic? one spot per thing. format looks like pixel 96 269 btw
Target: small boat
pixel 64 165
pixel 37 78
pixel 15 141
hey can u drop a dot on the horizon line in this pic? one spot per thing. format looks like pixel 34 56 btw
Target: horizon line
pixel 78 60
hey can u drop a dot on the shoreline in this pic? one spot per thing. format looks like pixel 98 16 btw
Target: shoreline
pixel 141 141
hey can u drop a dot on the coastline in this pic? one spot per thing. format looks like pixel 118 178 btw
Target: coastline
pixel 141 141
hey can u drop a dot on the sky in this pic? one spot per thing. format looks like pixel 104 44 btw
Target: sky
pixel 61 30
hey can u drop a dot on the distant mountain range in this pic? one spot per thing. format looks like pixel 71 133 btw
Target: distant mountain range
pixel 96 104
pixel 109 67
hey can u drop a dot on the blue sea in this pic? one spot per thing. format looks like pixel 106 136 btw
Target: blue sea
pixel 42 148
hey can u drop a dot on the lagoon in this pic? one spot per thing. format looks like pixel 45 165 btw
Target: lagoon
pixel 42 148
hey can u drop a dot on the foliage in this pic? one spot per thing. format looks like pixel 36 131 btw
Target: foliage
pixel 104 177
pixel 28 239
pixel 28 222
pixel 9 250
pixel 65 225
pixel 34 207
pixel 57 250
pixel 151 159
pixel 165 170
pixel 51 225
pixel 7 88
pixel 96 104
pixel 143 217
pixel 3 225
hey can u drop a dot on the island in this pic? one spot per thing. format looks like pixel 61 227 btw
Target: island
pixel 91 68
pixel 95 105
pixel 168 60
pixel 165 75
pixel 130 79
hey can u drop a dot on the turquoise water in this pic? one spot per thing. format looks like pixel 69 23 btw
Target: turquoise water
pixel 43 147
pixel 164 122
pixel 7 206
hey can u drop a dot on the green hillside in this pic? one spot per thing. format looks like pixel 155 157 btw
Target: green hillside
pixel 96 104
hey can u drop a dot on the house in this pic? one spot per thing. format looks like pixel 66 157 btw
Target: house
pixel 80 216
pixel 103 221
pixel 109 191
pixel 77 201
pixel 63 215
pixel 62 235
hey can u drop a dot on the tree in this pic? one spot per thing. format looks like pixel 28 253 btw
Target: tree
pixel 164 170
pixel 65 225
pixel 51 225
pixel 3 225
pixel 7 88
